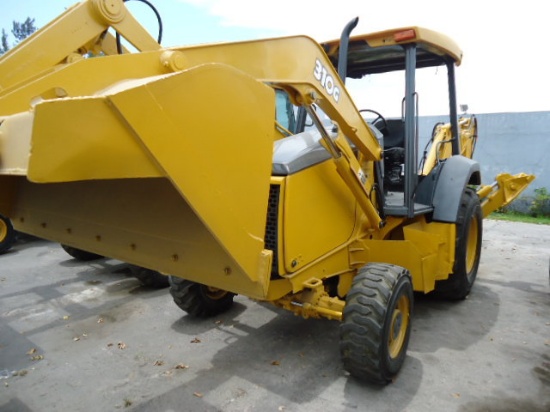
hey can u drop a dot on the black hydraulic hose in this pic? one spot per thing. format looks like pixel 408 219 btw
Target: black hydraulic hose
pixel 159 20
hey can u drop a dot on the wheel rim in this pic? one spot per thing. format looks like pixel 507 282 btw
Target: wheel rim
pixel 471 247
pixel 3 230
pixel 399 326
pixel 214 293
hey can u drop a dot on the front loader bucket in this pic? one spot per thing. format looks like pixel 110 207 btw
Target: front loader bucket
pixel 170 172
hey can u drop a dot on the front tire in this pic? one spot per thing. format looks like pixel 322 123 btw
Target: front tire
pixel 7 234
pixel 374 334
pixel 199 300
pixel 469 231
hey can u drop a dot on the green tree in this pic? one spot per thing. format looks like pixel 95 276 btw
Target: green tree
pixel 20 31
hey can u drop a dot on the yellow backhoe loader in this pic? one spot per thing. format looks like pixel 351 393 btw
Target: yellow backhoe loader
pixel 246 168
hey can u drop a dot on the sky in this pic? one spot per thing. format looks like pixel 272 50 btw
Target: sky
pixel 506 58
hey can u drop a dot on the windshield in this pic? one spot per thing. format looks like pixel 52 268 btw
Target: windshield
pixel 384 92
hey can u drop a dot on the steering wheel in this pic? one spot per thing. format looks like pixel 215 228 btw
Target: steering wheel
pixel 379 121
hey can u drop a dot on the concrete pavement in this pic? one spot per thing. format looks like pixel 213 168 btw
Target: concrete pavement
pixel 87 337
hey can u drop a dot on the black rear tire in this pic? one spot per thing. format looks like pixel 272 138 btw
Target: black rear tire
pixel 79 254
pixel 199 300
pixel 469 234
pixel 150 278
pixel 374 334
pixel 7 234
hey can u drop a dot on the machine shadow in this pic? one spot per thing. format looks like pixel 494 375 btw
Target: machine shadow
pixel 452 321
pixel 292 359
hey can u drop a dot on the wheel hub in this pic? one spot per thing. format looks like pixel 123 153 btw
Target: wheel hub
pixel 3 230
pixel 396 325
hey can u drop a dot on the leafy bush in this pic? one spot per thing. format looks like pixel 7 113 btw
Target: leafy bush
pixel 540 206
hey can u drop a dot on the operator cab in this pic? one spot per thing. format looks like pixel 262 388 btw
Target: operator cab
pixel 392 76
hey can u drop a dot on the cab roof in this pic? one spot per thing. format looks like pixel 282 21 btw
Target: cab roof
pixel 383 52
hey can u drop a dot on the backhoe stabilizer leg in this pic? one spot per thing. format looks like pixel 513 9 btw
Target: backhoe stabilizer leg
pixel 503 191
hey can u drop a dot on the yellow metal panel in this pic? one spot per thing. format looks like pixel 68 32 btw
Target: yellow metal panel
pixel 319 215
pixel 82 139
pixel 427 252
pixel 210 129
pixel 140 221
pixel 398 252
pixel 278 288
pixel 436 243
